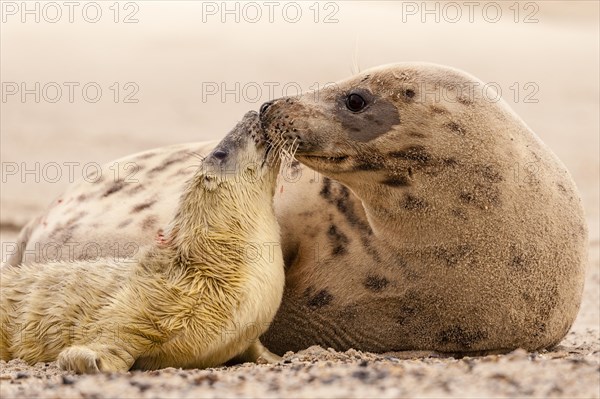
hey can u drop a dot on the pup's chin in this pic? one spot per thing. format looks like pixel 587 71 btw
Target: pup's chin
pixel 211 182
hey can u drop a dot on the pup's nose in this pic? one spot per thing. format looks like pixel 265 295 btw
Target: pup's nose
pixel 220 154
pixel 265 106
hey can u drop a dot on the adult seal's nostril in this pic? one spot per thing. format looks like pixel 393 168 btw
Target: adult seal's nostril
pixel 265 106
pixel 220 154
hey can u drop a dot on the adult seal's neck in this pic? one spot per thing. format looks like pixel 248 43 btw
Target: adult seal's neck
pixel 407 217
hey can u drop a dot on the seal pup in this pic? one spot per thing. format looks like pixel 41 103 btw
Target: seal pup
pixel 195 299
pixel 454 228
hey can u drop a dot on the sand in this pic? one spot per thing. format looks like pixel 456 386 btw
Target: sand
pixel 316 372
pixel 547 71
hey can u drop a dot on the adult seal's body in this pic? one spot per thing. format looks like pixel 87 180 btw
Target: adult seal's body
pixel 474 237
pixel 196 298
pixel 453 228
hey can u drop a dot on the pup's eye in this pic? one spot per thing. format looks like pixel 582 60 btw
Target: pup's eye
pixel 355 103
pixel 220 154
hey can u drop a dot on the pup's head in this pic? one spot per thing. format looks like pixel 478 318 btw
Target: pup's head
pixel 243 157
pixel 232 184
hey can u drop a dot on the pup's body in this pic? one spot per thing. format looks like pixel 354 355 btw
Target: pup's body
pixel 197 299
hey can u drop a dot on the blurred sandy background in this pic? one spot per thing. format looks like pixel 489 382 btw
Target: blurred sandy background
pixel 547 53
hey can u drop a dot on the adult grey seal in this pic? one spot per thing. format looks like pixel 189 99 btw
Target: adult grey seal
pixel 468 233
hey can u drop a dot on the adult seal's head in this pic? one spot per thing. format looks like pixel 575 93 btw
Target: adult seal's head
pixel 479 223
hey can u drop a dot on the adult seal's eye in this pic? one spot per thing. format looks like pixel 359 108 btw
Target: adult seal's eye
pixel 355 103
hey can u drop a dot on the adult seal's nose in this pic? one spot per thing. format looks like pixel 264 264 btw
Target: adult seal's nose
pixel 264 107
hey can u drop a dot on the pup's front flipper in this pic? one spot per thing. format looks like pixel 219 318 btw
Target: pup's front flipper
pixel 95 359
pixel 257 353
